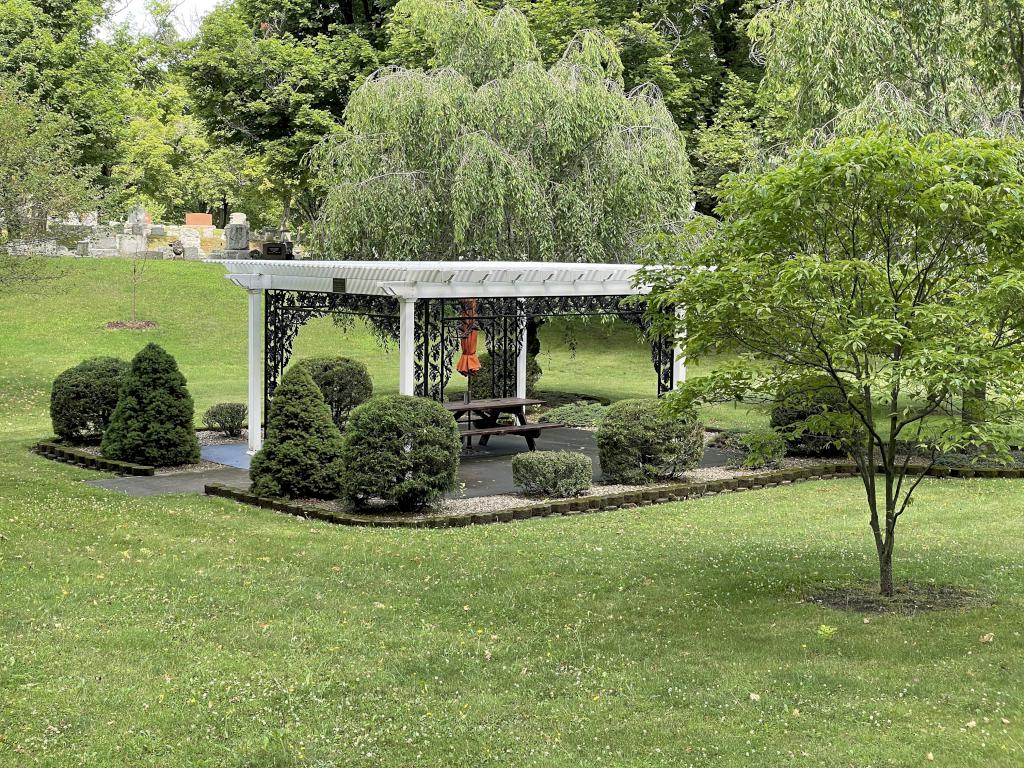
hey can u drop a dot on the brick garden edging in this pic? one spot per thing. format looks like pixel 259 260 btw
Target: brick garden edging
pixel 583 504
pixel 78 457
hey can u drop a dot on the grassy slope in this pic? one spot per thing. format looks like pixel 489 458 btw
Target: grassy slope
pixel 193 631
pixel 202 321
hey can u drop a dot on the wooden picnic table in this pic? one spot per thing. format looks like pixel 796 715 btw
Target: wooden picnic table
pixel 488 411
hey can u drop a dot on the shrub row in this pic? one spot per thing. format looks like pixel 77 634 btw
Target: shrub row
pixel 78 457
pixel 141 414
pixel 402 450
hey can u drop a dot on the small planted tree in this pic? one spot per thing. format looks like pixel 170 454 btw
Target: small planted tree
pixel 891 268
pixel 300 457
pixel 153 421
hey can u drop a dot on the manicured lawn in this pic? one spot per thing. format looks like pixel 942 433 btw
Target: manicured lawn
pixel 194 631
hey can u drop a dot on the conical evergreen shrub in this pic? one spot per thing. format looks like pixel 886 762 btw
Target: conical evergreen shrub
pixel 153 421
pixel 301 455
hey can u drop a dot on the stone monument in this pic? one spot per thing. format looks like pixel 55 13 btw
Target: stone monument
pixel 236 237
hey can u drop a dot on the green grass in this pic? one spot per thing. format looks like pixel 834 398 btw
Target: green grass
pixel 193 631
pixel 201 320
pixel 185 630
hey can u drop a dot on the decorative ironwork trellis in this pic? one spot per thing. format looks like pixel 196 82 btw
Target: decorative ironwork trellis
pixel 287 311
pixel 437 332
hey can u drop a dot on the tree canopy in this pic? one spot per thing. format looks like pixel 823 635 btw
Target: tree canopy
pixel 490 154
pixel 889 265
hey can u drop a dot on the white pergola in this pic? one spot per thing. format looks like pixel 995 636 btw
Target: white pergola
pixel 409 282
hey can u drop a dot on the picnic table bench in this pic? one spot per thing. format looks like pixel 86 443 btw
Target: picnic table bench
pixel 487 412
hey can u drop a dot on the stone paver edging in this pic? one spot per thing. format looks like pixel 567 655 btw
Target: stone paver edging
pixel 583 504
pixel 78 457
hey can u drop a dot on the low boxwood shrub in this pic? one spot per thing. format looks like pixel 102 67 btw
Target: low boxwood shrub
pixel 803 400
pixel 84 397
pixel 153 421
pixel 640 442
pixel 481 382
pixel 404 450
pixel 345 383
pixel 764 448
pixel 301 456
pixel 553 473
pixel 226 418
pixel 580 414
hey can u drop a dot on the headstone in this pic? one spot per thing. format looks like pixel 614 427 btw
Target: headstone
pixel 158 230
pixel 190 244
pixel 137 221
pixel 198 219
pixel 236 237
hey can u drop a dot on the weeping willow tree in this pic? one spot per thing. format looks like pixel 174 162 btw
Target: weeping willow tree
pixel 841 67
pixel 485 154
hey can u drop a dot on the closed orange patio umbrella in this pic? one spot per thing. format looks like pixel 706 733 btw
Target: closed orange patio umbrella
pixel 468 363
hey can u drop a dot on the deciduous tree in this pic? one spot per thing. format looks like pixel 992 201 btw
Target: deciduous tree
pixel 890 266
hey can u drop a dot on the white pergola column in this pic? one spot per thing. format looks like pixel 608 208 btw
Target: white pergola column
pixel 406 346
pixel 255 406
pixel 678 357
pixel 521 364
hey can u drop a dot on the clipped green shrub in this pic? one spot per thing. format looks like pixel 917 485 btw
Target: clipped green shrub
pixel 762 448
pixel 301 454
pixel 553 473
pixel 226 418
pixel 153 421
pixel 639 442
pixel 84 397
pixel 345 383
pixel 804 400
pixel 581 414
pixel 480 383
pixel 402 449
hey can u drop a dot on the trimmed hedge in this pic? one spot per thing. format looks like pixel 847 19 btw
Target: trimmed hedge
pixel 84 397
pixel 301 455
pixel 763 447
pixel 153 421
pixel 480 383
pixel 797 403
pixel 404 450
pixel 582 413
pixel 553 473
pixel 639 442
pixel 226 418
pixel 344 383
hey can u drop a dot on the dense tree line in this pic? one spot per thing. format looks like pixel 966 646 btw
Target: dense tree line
pixel 225 120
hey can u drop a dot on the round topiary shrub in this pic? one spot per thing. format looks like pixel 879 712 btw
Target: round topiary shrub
pixel 800 401
pixel 84 397
pixel 301 455
pixel 345 383
pixel 226 418
pixel 153 421
pixel 402 449
pixel 762 448
pixel 553 473
pixel 481 383
pixel 640 442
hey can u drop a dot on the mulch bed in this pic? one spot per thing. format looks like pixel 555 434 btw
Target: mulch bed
pixel 910 598
pixel 130 325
